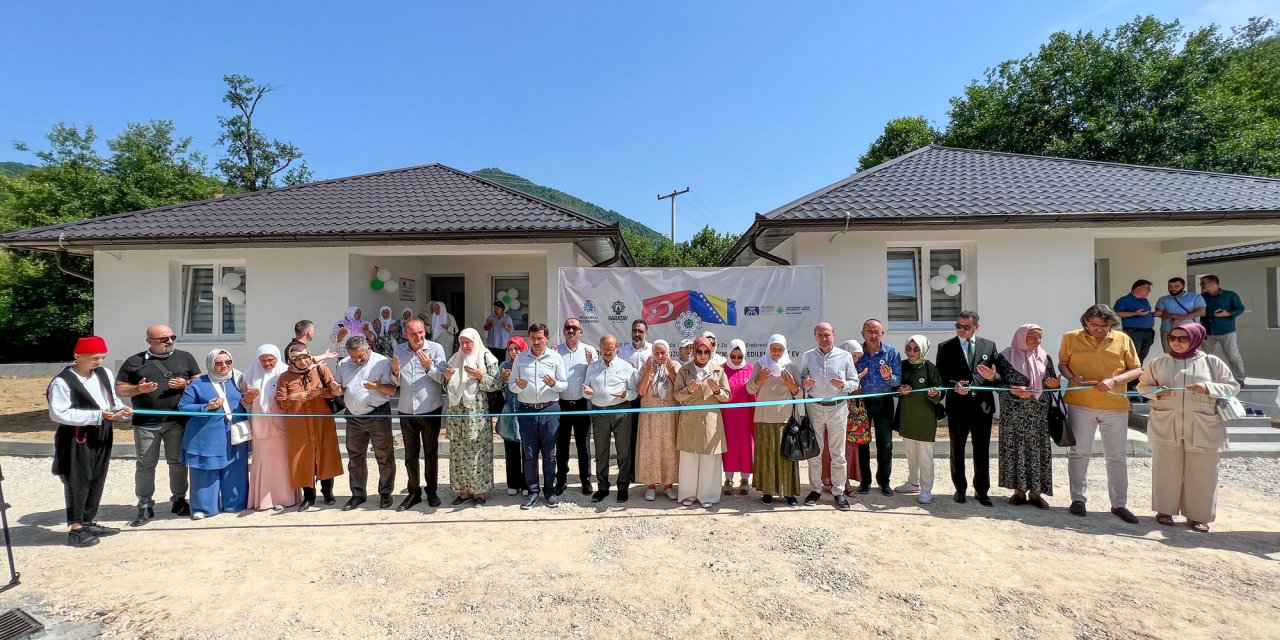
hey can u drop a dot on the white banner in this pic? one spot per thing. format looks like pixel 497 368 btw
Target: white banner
pixel 749 303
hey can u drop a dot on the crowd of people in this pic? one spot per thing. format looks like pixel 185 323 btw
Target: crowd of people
pixel 265 437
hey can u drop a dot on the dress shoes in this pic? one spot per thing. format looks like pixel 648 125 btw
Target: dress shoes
pixel 433 499
pixel 812 498
pixel 886 491
pixel 864 489
pixel 600 495
pixel 307 503
pixel 384 501
pixel 413 498
pixel 984 501
pixel 586 487
pixel 959 497
pixel 101 531
pixel 354 502
pixel 81 538
pixel 180 508
pixel 1077 509
pixel 145 514
pixel 842 503
pixel 530 502
pixel 1119 512
pixel 622 494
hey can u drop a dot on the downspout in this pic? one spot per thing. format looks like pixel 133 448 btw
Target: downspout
pixel 64 268
pixel 617 254
pixel 762 253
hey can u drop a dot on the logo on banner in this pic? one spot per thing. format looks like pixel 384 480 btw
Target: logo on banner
pixel 619 312
pixel 675 306
pixel 588 315
pixel 689 325
pixel 751 311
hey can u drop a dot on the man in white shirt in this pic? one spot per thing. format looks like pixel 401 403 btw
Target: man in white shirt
pixel 418 365
pixel 537 378
pixel 577 356
pixel 635 353
pixel 367 387
pixel 611 384
pixel 828 371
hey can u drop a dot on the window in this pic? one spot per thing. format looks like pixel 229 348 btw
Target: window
pixel 910 298
pixel 213 307
pixel 518 304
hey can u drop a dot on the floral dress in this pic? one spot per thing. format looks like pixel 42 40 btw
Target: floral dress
pixel 1026 454
pixel 471 435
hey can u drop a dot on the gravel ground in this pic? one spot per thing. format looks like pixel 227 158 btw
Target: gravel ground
pixel 890 568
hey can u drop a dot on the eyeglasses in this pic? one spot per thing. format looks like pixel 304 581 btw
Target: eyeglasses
pixel 1096 325
pixel 163 339
pixel 1180 339
pixel 964 327
pixel 702 352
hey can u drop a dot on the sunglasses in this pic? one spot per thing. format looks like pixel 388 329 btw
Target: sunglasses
pixel 571 329
pixel 221 363
pixel 964 327
pixel 1180 339
pixel 909 349
pixel 163 339
pixel 702 352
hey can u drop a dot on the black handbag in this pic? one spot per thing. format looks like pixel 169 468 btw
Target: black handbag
pixel 799 441
pixel 1059 429
pixel 336 405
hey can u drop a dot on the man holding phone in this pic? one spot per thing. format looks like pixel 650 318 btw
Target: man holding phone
pixel 155 379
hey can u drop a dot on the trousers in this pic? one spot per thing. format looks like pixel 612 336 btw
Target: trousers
pixel 829 425
pixel 421 439
pixel 147 440
pixel 575 429
pixel 1228 348
pixel 1114 426
pixel 538 436
pixel 616 427
pixel 361 432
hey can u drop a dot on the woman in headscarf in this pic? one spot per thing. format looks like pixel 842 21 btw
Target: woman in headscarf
pixel 657 460
pixel 406 314
pixel 857 433
pixel 313 440
pixel 700 436
pixel 472 374
pixel 739 428
pixel 775 378
pixel 917 416
pixel 350 325
pixel 1026 453
pixel 219 469
pixel 441 327
pixel 1186 433
pixel 270 486
pixel 507 426
pixel 387 330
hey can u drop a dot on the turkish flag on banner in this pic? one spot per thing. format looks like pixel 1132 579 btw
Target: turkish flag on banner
pixel 666 307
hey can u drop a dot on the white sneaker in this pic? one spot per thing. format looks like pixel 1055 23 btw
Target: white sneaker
pixel 650 494
pixel 671 493
pixel 512 492
pixel 907 487
pixel 926 497
pixel 196 515
pixel 278 507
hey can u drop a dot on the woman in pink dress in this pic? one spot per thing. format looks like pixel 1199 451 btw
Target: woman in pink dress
pixel 270 486
pixel 739 423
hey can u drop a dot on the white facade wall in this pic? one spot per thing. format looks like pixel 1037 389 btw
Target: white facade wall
pixel 1256 283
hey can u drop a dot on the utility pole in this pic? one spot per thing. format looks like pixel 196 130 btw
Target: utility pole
pixel 672 196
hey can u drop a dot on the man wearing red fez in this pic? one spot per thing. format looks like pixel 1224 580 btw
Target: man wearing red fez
pixel 83 403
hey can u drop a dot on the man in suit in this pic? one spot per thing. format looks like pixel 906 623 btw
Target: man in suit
pixel 967 360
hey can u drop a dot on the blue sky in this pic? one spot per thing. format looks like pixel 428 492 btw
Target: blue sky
pixel 752 104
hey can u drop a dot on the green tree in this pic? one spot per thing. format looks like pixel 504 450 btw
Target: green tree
pixel 705 249
pixel 901 135
pixel 253 161
pixel 43 309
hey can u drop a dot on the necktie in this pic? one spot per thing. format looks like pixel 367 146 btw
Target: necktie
pixel 970 354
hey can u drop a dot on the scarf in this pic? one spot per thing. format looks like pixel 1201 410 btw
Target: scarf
pixel 661 381
pixel 354 327
pixel 921 342
pixel 214 377
pixel 463 387
pixel 740 346
pixel 257 377
pixel 300 349
pixel 438 320
pixel 767 361
pixel 1196 332
pixel 385 322
pixel 1031 364
pixel 853 347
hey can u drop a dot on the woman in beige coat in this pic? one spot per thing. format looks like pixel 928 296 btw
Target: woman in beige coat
pixel 700 438
pixel 1186 434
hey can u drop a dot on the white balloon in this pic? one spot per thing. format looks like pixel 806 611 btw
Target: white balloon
pixel 220 289
pixel 515 304
pixel 937 283
pixel 513 293
pixel 232 280
pixel 951 289
pixel 945 269
pixel 235 296
pixel 959 277
pixel 384 274
pixel 391 286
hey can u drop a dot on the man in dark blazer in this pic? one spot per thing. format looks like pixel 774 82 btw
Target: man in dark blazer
pixel 967 360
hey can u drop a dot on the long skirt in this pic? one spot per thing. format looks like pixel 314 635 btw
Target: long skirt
pixel 1026 454
pixel 739 437
pixel 269 481
pixel 470 452
pixel 774 474
pixel 657 460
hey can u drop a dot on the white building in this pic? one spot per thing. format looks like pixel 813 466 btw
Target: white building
pixel 1253 271
pixel 310 251
pixel 1038 239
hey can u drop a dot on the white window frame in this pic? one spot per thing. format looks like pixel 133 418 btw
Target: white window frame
pixel 183 282
pixel 924 301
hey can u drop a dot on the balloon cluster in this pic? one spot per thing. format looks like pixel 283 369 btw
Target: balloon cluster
pixel 230 289
pixel 510 297
pixel 382 281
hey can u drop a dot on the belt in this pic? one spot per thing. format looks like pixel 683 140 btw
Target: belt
pixel 536 407
pixel 830 404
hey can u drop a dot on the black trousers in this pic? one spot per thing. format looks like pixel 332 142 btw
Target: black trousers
pixel 575 428
pixel 631 453
pixel 514 459
pixel 880 414
pixel 83 469
pixel 421 439
pixel 967 420
pixel 372 428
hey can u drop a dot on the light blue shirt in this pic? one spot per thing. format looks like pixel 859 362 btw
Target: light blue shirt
pixel 575 365
pixel 499 331
pixel 352 377
pixel 606 379
pixel 420 390
pixel 823 367
pixel 1178 305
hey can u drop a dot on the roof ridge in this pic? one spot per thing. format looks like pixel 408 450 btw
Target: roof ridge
pixel 528 196
pixel 1105 163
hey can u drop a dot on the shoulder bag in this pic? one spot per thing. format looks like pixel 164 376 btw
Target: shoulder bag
pixel 336 404
pixel 799 441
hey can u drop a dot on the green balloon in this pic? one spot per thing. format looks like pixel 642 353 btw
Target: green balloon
pixel 952 278
pixel 377 284
pixel 506 299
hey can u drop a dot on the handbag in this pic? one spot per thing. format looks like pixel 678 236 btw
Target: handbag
pixel 336 404
pixel 858 425
pixel 1059 430
pixel 799 441
pixel 1230 408
pixel 240 432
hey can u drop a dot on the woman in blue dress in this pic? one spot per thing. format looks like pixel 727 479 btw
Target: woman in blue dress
pixel 219 469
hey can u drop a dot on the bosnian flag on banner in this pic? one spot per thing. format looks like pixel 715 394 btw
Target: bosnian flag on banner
pixel 669 306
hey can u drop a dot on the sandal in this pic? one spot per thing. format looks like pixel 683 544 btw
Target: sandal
pixel 1164 519
pixel 1199 527
pixel 743 487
